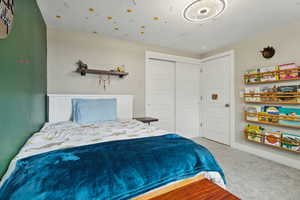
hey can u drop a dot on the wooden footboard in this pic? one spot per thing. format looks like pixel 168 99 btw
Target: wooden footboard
pixel 168 188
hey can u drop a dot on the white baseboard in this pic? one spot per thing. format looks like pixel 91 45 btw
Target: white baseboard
pixel 268 155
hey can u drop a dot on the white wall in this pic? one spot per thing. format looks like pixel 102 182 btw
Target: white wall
pixel 286 41
pixel 66 48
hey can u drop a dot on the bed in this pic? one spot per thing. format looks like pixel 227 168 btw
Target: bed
pixel 111 159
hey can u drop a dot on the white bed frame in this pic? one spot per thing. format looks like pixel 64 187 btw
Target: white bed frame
pixel 60 105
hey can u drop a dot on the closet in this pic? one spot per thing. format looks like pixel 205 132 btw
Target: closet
pixel 172 94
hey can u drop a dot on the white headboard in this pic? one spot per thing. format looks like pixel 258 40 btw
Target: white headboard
pixel 60 105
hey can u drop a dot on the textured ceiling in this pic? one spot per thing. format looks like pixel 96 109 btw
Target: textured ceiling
pixel 160 22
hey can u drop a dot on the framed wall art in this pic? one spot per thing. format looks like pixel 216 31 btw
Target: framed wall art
pixel 7 9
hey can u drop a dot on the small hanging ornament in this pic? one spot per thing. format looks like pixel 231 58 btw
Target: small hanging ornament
pixel 104 81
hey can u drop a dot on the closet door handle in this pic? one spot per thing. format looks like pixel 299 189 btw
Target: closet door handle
pixel 227 105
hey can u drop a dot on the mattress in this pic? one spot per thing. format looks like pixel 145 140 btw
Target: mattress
pixel 63 135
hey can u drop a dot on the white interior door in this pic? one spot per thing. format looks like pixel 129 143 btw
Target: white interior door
pixel 187 99
pixel 215 95
pixel 160 92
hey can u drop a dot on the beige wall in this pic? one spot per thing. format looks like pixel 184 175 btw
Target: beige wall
pixel 66 48
pixel 286 41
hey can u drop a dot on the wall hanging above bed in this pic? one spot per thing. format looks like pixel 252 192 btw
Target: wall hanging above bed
pixel 104 75
pixel 6 17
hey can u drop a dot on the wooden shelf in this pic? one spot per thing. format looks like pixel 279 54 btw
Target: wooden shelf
pixel 277 147
pixel 276 73
pixel 272 124
pixel 274 117
pixel 273 102
pixel 83 70
pixel 101 72
pixel 273 96
pixel 271 81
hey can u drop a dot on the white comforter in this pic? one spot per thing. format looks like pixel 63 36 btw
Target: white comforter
pixel 68 134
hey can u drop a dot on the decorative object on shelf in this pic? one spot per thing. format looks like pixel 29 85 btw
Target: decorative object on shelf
pixel 7 9
pixel 82 68
pixel 268 52
pixel 121 69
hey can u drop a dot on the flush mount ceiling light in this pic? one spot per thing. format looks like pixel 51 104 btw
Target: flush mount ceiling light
pixel 203 10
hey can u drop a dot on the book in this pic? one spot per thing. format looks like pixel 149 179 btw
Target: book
pixel 268 96
pixel 288 89
pixel 254 133
pixel 252 90
pixel 291 72
pixel 253 112
pixel 292 113
pixel 290 141
pixel 271 110
pixel 254 78
pixel 272 137
pixel 269 76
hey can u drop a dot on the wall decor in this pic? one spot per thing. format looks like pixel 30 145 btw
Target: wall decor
pixel 7 9
pixel 268 52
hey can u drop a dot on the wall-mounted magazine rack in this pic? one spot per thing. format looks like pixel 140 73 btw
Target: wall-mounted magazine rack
pixel 274 120
pixel 273 98
pixel 277 74
pixel 284 143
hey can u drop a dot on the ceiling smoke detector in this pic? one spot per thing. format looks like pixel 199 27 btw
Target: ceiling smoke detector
pixel 203 10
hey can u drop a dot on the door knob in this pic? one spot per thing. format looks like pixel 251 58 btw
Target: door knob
pixel 227 105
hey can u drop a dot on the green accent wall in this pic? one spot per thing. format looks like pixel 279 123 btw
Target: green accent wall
pixel 23 80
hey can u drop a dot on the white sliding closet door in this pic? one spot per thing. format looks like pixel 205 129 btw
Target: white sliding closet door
pixel 187 100
pixel 160 92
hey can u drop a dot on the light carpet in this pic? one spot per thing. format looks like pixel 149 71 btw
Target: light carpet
pixel 253 178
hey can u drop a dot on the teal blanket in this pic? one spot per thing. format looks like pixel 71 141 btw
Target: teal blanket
pixel 111 170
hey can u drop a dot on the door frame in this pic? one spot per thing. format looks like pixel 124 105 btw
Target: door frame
pixel 232 114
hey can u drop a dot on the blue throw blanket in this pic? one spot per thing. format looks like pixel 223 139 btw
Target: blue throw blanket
pixel 111 170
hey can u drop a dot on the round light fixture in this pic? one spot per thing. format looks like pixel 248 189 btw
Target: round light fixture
pixel 203 10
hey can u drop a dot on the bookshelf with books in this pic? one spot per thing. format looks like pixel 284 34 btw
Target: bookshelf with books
pixel 281 107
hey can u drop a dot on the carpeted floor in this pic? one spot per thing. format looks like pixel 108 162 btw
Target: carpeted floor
pixel 252 178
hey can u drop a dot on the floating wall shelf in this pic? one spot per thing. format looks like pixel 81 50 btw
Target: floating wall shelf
pixel 83 70
pixel 282 141
pixel 276 73
pixel 273 120
pixel 273 98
